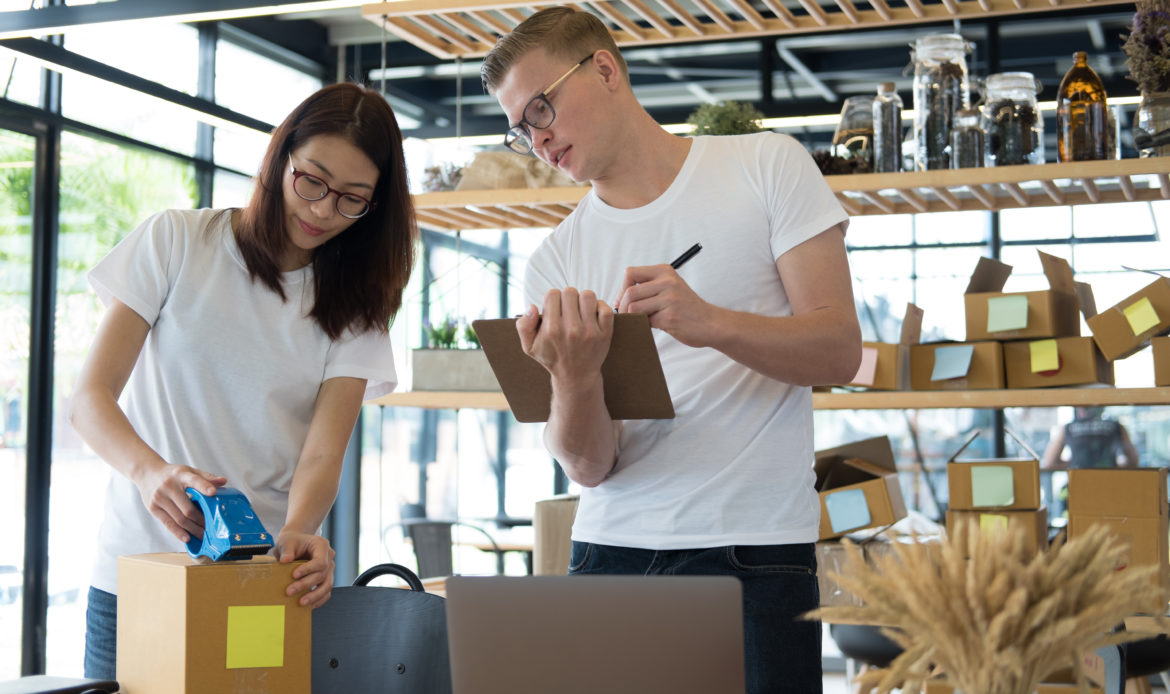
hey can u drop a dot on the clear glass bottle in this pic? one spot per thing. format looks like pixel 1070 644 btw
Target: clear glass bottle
pixel 967 149
pixel 940 89
pixel 1082 119
pixel 887 129
pixel 1012 122
pixel 854 135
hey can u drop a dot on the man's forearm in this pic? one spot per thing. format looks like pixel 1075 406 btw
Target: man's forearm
pixel 580 433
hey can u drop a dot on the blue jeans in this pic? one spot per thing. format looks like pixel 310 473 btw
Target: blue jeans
pixel 781 653
pixel 101 635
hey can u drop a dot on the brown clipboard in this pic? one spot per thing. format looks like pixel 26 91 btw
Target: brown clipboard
pixel 635 387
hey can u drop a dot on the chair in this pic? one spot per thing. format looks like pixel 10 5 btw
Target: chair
pixel 433 545
pixel 863 643
pixel 1146 657
pixel 374 639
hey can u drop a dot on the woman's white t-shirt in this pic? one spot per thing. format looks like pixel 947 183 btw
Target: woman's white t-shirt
pixel 229 373
pixel 735 464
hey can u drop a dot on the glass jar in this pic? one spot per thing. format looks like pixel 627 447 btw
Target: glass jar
pixel 967 149
pixel 854 135
pixel 1082 116
pixel 940 89
pixel 1011 120
pixel 887 129
pixel 1151 125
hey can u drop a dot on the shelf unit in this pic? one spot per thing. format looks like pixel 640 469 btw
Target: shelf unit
pixel 863 400
pixel 912 192
pixel 468 28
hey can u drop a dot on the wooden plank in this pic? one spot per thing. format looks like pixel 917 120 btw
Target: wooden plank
pixel 916 201
pixel 849 10
pixel 747 12
pixel 470 28
pixel 614 15
pixel 781 12
pixel 688 20
pixel 442 30
pixel 717 16
pixel 814 10
pixel 653 18
pixel 490 20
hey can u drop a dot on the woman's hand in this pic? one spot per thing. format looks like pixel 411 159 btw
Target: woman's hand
pixel 163 489
pixel 314 578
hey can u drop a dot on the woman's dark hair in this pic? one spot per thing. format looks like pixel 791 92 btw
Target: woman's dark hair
pixel 359 275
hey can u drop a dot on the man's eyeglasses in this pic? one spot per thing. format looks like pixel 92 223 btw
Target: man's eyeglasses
pixel 538 113
pixel 311 188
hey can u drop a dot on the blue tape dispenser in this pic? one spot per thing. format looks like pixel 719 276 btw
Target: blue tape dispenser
pixel 231 529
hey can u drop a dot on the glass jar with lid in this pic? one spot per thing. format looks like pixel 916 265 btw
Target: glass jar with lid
pixel 1012 124
pixel 940 89
pixel 967 149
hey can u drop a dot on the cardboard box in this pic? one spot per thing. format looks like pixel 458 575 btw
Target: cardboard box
pixel 993 483
pixel 886 366
pixel 1127 326
pixel 859 488
pixel 1034 524
pixel 831 559
pixel 993 314
pixel 1160 346
pixel 956 366
pixel 552 527
pixel 1077 362
pixel 1133 504
pixel 191 628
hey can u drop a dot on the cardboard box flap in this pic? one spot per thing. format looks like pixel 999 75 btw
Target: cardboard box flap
pixel 975 434
pixel 911 326
pixel 1058 272
pixel 852 471
pixel 990 276
pixel 1085 298
pixel 876 451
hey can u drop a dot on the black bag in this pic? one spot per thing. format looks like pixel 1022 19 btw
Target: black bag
pixel 377 639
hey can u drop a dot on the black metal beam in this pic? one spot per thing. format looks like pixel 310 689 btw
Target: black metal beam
pixel 57 55
pixel 58 17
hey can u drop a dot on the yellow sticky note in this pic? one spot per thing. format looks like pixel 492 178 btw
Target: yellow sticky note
pixel 255 636
pixel 1045 356
pixel 992 521
pixel 1141 315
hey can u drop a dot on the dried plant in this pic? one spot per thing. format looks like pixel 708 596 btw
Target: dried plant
pixel 1001 621
pixel 1147 47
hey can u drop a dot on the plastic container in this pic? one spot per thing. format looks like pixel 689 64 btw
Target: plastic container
pixel 887 129
pixel 940 90
pixel 1012 123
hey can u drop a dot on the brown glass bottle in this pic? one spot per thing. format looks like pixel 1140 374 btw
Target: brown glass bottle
pixel 1082 119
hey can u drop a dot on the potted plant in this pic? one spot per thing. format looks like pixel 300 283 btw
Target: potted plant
pixel 1147 55
pixel 725 118
pixel 452 360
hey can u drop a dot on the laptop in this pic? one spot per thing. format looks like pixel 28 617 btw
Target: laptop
pixel 47 684
pixel 591 634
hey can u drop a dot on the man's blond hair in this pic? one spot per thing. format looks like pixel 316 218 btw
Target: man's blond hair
pixel 563 32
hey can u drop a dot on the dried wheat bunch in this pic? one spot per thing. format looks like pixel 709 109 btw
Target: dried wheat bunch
pixel 1000 621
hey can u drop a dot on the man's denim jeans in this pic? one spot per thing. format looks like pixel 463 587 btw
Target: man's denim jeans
pixel 781 652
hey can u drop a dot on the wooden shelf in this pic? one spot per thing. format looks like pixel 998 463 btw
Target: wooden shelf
pixel 998 188
pixel 867 400
pixel 469 28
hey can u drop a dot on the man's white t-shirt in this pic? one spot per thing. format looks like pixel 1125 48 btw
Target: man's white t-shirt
pixel 229 374
pixel 735 464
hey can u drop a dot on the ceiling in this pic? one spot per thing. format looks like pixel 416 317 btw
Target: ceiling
pixel 810 73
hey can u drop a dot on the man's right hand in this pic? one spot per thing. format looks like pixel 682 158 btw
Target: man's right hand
pixel 570 339
pixel 164 493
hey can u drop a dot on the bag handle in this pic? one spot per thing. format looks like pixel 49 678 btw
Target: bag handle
pixel 398 570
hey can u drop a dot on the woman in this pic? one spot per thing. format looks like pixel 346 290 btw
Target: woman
pixel 246 341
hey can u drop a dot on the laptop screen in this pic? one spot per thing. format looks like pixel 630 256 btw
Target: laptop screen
pixel 589 634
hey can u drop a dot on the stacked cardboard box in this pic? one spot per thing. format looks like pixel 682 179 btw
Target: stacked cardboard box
pixel 1133 504
pixel 998 493
pixel 1129 325
pixel 859 488
pixel 1024 339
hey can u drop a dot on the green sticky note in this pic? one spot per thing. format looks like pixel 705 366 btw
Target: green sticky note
pixel 255 636
pixel 991 485
pixel 1009 312
pixel 1045 356
pixel 992 521
pixel 1141 315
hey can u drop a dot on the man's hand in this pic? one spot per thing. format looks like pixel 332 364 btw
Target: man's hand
pixel 571 338
pixel 659 292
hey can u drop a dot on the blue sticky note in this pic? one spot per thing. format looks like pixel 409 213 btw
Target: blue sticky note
pixel 991 485
pixel 1009 312
pixel 951 361
pixel 847 510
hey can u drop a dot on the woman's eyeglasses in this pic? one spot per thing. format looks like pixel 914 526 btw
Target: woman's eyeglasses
pixel 312 188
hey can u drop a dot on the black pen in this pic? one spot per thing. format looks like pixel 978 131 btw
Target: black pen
pixel 687 255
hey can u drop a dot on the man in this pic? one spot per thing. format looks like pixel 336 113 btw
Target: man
pixel 1093 441
pixel 764 311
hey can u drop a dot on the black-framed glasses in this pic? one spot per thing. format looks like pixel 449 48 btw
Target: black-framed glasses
pixel 312 188
pixel 538 113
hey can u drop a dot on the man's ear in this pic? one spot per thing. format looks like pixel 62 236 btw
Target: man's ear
pixel 607 66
